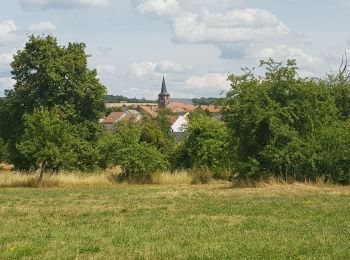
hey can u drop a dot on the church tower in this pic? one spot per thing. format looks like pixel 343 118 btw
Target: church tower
pixel 164 96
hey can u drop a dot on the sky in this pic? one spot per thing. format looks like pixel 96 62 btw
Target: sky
pixel 196 44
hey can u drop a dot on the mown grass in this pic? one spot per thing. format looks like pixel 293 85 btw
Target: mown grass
pixel 175 222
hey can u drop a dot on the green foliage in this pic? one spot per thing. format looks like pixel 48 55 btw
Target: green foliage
pixel 140 161
pixel 50 142
pixel 340 89
pixel 334 152
pixel 139 150
pixel 198 113
pixel 277 119
pixel 152 134
pixel 164 123
pixel 205 101
pixel 49 75
pixel 3 151
pixel 207 145
pixel 119 98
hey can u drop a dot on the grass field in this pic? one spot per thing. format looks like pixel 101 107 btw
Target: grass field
pixel 166 222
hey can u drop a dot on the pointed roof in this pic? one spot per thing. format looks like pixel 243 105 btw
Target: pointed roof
pixel 164 91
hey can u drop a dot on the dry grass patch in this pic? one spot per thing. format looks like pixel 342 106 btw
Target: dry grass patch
pixel 167 178
pixel 18 179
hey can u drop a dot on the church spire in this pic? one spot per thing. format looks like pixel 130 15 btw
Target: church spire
pixel 164 96
pixel 164 90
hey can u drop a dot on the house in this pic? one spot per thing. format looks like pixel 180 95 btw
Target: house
pixel 181 108
pixel 113 118
pixel 179 125
pixel 148 110
pixel 211 109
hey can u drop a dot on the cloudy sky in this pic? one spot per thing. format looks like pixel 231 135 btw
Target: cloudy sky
pixel 194 43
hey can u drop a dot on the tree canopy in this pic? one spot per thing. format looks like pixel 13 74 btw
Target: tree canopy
pixel 48 75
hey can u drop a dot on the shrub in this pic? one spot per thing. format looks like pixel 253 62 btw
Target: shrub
pixel 207 144
pixel 140 161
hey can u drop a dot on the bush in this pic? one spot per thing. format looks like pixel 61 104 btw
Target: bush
pixel 207 144
pixel 140 161
pixel 201 175
pixel 277 120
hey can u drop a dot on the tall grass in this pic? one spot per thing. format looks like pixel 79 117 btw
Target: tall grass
pixel 177 178
pixel 17 179
pixel 77 179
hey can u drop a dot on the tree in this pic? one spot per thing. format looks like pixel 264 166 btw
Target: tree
pixel 49 75
pixel 46 140
pixel 135 149
pixel 339 84
pixel 153 135
pixel 207 145
pixel 164 123
pixel 51 143
pixel 276 119
pixel 3 151
pixel 333 150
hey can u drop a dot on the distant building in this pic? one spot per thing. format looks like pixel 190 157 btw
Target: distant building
pixel 179 125
pixel 164 96
pixel 179 110
pixel 148 110
pixel 113 118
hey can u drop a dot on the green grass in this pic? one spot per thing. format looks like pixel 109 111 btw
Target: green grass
pixel 162 222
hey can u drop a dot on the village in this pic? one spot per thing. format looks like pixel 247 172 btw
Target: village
pixel 178 117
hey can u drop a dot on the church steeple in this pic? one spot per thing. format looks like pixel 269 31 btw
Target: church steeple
pixel 164 90
pixel 164 96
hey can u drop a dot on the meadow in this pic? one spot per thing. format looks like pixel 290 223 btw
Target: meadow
pixel 174 221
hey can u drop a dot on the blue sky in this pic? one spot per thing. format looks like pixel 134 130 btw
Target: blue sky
pixel 196 43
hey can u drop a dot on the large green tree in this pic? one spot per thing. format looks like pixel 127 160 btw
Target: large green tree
pixel 48 75
pixel 277 119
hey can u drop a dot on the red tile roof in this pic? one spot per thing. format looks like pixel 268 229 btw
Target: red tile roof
pixel 180 107
pixel 172 119
pixel 113 117
pixel 149 111
pixel 211 108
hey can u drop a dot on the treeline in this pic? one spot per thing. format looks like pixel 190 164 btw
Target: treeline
pixel 277 125
pixel 118 99
pixel 205 101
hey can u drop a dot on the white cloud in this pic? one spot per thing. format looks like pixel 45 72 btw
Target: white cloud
pixel 62 4
pixel 149 68
pixel 172 67
pixel 238 25
pixel 7 31
pixel 160 7
pixel 232 31
pixel 5 59
pixel 105 69
pixel 213 82
pixel 6 83
pixel 142 69
pixel 40 27
pixel 235 26
pixel 282 52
